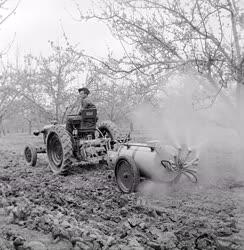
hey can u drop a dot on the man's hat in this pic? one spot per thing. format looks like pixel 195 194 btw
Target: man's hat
pixel 86 90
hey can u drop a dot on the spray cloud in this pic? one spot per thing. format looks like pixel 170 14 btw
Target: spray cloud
pixel 194 115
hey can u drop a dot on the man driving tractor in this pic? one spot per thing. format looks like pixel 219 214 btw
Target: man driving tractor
pixel 83 104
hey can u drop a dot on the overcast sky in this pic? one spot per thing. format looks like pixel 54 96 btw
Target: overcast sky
pixel 37 21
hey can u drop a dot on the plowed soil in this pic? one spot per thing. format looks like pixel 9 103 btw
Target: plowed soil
pixel 85 209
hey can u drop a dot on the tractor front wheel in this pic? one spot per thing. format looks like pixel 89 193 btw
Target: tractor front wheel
pixel 30 155
pixel 127 174
pixel 59 149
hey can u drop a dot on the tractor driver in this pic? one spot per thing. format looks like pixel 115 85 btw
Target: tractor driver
pixel 83 104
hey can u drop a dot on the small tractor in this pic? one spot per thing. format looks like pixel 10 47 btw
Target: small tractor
pixel 92 144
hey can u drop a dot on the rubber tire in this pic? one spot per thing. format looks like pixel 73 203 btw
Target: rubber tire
pixel 110 128
pixel 33 157
pixel 135 171
pixel 63 137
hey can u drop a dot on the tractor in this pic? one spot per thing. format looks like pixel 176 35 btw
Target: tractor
pixel 90 143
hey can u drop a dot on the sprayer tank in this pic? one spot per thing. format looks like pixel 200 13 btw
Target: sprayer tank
pixel 147 158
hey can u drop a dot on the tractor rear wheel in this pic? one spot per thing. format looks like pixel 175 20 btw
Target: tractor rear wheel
pixel 59 149
pixel 127 174
pixel 110 130
pixel 30 155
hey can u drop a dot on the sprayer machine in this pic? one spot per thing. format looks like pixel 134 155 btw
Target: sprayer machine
pixel 134 162
pixel 92 144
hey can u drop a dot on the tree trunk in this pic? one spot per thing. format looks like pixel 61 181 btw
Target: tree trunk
pixel 240 106
pixel 58 97
pixel 57 111
pixel 0 127
pixel 239 126
pixel 2 132
pixel 29 127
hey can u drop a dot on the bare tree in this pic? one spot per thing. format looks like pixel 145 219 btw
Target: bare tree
pixel 52 78
pixel 164 36
pixel 115 97
pixel 7 9
pixel 7 95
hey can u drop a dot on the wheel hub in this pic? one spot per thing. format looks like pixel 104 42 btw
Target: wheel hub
pixel 125 175
pixel 28 154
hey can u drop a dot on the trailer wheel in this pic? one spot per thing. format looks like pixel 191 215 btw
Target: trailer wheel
pixel 59 149
pixel 30 155
pixel 127 174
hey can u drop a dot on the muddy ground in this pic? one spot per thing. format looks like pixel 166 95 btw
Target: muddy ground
pixel 85 209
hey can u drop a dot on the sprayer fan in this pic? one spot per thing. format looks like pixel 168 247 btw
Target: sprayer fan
pixel 184 163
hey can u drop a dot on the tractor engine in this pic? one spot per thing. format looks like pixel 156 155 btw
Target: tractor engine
pixel 84 125
pixel 85 146
pixel 91 150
